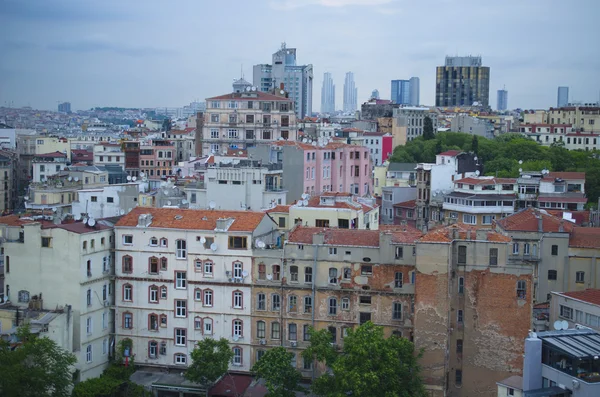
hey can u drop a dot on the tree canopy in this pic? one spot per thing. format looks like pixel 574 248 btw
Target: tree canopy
pixel 210 360
pixel 37 367
pixel 501 156
pixel 369 365
pixel 275 367
pixel 428 129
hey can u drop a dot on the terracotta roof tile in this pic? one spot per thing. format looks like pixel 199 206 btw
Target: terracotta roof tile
pixel 244 221
pixel 15 220
pixel 408 235
pixel 585 237
pixel 527 221
pixel 452 153
pixel 445 234
pixel 565 175
pixel 579 217
pixel 407 204
pixel 589 295
pixel 486 181
pixel 262 96
pixel 353 237
pixel 279 209
pixel 51 155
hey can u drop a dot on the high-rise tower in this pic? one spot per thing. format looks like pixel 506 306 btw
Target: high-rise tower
pixel 350 93
pixel 327 94
pixel 462 81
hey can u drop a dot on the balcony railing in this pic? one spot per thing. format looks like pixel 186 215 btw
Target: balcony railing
pixel 273 188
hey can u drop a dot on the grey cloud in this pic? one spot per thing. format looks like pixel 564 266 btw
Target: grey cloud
pixel 96 45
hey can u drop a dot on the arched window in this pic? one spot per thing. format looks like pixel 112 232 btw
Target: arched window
pixel 333 273
pixel 292 304
pixel 181 251
pixel 152 349
pixel 153 265
pixel 153 322
pixel 153 241
pixel 260 329
pixel 237 270
pixel 198 265
pixel 127 264
pixel 163 320
pixel 276 272
pixel 88 354
pixel 208 297
pixel 153 294
pixel 237 328
pixel 127 320
pixel 198 323
pixel 332 306
pixel 163 292
pixel 164 242
pixel 208 269
pixel 163 263
pixel 275 330
pixel 208 326
pixel 293 273
pixel 238 300
pixel 180 359
pixel 127 292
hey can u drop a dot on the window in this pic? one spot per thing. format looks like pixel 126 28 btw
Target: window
pixel 413 276
pixel 493 256
pixel 180 308
pixel 163 292
pixel 526 249
pixel 332 251
pixel 308 304
pixel 127 240
pixel 88 325
pixel 459 346
pixel 580 277
pixel 163 242
pixel 262 271
pixel 458 377
pixel 127 320
pixel 461 285
pixel 552 274
pixel 208 326
pixel 459 316
pixel 294 273
pixel 332 306
pixel 153 265
pixel 181 249
pixel 208 268
pixel 397 311
pixel 366 270
pixel 180 336
pixel 275 330
pixel 237 356
pixel 84 246
pixel 566 312
pixel 398 280
pixel 521 289
pixel 306 332
pixel 153 322
pixel 261 301
pixel 462 254
pixel 281 221
pixel 237 242
pixel 487 219
pixel 292 304
pixel 88 353
pixel 399 252
pixel 237 328
pixel 308 274
pixel 555 250
pixel 153 294
pixel 332 275
pixel 127 292
pixel 261 329
pixel 275 302
pixel 127 264
pixel 515 248
pixel 180 359
pixel 163 320
pixel 163 263
pixel 208 298
pixel 469 219
pixel 198 294
pixel 89 297
pixel 152 349
pixel 347 272
pixel 292 332
pixel 276 272
pixel 180 280
pixel 333 332
pixel 153 242
pixel 47 242
pixel 237 300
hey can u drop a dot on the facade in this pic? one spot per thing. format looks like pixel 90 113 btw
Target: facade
pixel 132 158
pixel 462 81
pixel 552 190
pixel 106 201
pixel 297 80
pixel 350 94
pixel 584 118
pixel 157 158
pixel 408 123
pixel 577 308
pixel 246 119
pixel 183 275
pixel 328 94
pixel 392 195
pixel 48 164
pixel 405 213
pixel 64 107
pixel 375 94
pixel 406 92
pixel 472 125
pixel 9 183
pixel 243 185
pixel 379 145
pixel 471 304
pixel 107 153
pixel 562 98
pixel 502 100
pixel 183 140
pixel 67 266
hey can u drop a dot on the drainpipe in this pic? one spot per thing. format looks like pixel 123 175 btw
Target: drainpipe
pixel 314 297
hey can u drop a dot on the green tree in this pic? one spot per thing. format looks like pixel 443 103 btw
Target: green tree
pixel 428 132
pixel 370 365
pixel 475 144
pixel 275 367
pixel 210 360
pixel 37 367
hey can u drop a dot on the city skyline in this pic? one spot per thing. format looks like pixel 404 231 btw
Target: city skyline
pixel 74 52
pixel 350 93
pixel 327 94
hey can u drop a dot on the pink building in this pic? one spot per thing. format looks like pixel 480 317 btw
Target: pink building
pixel 157 159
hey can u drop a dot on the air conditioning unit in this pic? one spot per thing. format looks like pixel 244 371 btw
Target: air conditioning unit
pixel 238 280
pixel 262 342
pixel 227 272
pixel 294 343
pixel 231 280
pixel 106 303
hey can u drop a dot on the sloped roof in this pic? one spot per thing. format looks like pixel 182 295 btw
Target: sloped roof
pixel 451 153
pixel 527 221
pixel 244 221
pixel 406 204
pixel 445 234
pixel 486 181
pixel 565 175
pixel 589 295
pixel 354 237
pixel 261 96
pixel 585 237
pixel 279 209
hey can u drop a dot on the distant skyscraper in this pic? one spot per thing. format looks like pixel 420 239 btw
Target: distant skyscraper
pixel 563 96
pixel 327 94
pixel 502 103
pixel 375 94
pixel 415 91
pixel 401 92
pixel 64 107
pixel 350 93
pixel 297 80
pixel 462 81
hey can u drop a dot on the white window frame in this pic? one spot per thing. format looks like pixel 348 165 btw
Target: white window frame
pixel 180 280
pixel 238 300
pixel 207 326
pixel 237 270
pixel 180 308
pixel 208 268
pixel 238 328
pixel 127 237
pixel 180 337
pixel 181 249
pixel 237 356
pixel 89 355
pixel 208 298
pixel 472 219
pixel 180 359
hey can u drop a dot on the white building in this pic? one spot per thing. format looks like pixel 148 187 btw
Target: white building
pixel 184 275
pixel 109 154
pixel 66 266
pixel 48 164
pixel 107 201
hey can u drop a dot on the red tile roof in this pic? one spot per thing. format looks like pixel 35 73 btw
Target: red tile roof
pixel 15 220
pixel 585 237
pixel 77 227
pixel 406 204
pixel 445 234
pixel 565 175
pixel 244 221
pixel 589 295
pixel 408 235
pixel 262 96
pixel 354 237
pixel 527 221
pixel 51 155
pixel 237 153
pixel 451 153
pixel 561 199
pixel 231 385
pixel 579 217
pixel 279 209
pixel 486 181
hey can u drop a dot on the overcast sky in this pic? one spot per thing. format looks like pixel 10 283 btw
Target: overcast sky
pixel 168 53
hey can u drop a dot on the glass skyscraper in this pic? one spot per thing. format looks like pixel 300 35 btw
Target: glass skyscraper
pixel 462 81
pixel 502 103
pixel 406 92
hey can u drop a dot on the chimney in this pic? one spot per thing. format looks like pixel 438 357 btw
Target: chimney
pixel 540 221
pixel 532 363
pixel 281 86
pixel 561 226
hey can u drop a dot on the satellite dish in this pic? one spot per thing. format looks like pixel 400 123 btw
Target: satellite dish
pixel 304 140
pixel 54 209
pixel 314 143
pixel 477 172
pixel 202 240
pixel 212 205
pixel 134 178
pixel 213 246
pixel 475 158
pixel 558 325
pixel 144 179
pixel 299 203
pixel 305 196
pixel 122 212
pixel 77 217
pixel 76 179
pixel 184 201
pixel 305 203
pixel 70 178
pixel 142 174
pixel 253 88
pixel 520 161
pixel 282 92
pixel 245 273
pixel 260 244
pixel 129 178
pixel 564 324
pixel 168 202
pixel 91 222
pixel 269 277
pixel 520 169
pixel 248 89
pixel 85 220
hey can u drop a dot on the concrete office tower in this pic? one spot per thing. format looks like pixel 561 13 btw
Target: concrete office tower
pixel 297 79
pixel 350 93
pixel 462 81
pixel 502 103
pixel 64 107
pixel 563 97
pixel 414 91
pixel 327 94
pixel 375 94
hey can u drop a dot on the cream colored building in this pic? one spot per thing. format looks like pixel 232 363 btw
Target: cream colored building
pixel 184 275
pixel 584 118
pixel 109 154
pixel 66 266
pixel 539 116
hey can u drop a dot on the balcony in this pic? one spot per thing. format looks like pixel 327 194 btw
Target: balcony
pixel 273 188
pixel 528 196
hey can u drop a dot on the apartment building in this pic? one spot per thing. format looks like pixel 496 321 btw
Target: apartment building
pixel 244 119
pixel 471 304
pixel 583 118
pixel 408 123
pixel 184 143
pixel 331 279
pixel 108 153
pixel 552 190
pixel 106 201
pixel 183 275
pixel 48 164
pixel 157 158
pixel 132 158
pixel 577 308
pixel 9 183
pixel 65 265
